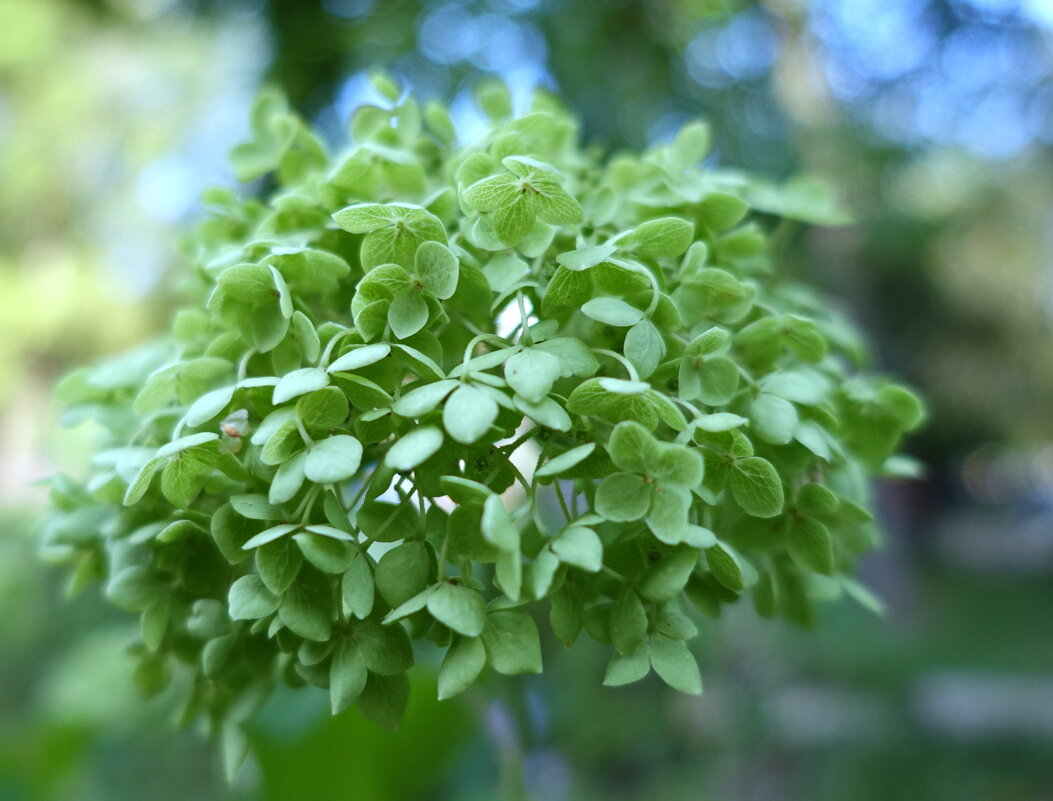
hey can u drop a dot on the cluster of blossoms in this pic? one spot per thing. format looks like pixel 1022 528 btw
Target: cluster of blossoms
pixel 442 391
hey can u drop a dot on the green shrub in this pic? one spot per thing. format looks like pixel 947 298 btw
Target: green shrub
pixel 436 391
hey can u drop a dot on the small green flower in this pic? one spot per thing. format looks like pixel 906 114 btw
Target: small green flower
pixel 655 482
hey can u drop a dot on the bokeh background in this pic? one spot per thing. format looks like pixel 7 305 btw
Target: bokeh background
pixel 933 119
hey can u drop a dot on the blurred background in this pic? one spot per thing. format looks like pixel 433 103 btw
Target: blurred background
pixel 934 121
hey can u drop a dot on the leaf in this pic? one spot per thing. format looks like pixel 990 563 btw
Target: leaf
pixel 270 535
pixel 677 465
pixel 512 643
pixel 531 373
pixel 385 649
pixel 493 193
pixel 402 572
pixel 497 526
pixel 347 675
pixel 468 414
pixel 356 587
pixel 413 448
pixel 333 460
pixel 384 698
pixel 628 623
pixel 810 545
pixel 667 578
pixel 255 507
pixel 209 406
pixel 623 497
pixel 632 447
pixel 249 599
pixel 773 419
pixel 756 487
pixel 299 382
pixel 463 663
pixel 437 268
pixel 584 258
pixel 675 665
pixel 612 311
pixel 423 399
pixel 644 347
pixel 328 554
pixel 664 237
pixel 579 546
pixel 306 613
pixel 288 480
pixel 667 516
pixel 460 608
pixel 408 313
pixel 360 357
pixel 560 464
pixel 627 668
pixel 816 500
pixel 279 563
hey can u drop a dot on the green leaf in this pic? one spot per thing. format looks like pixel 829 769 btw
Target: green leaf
pixel 493 193
pixel 773 419
pixel 512 643
pixel 513 222
pixel 612 311
pixel 584 258
pixel 675 665
pixel 384 698
pixel 497 526
pixel 347 675
pixel 408 313
pixel 627 668
pixel 460 608
pixel 579 546
pixel 333 460
pixel 270 535
pixel 385 649
pixel 632 447
pixel 623 497
pixel 724 565
pixel 279 563
pixel 360 357
pixel 468 414
pixel 668 514
pixel 288 480
pixel 413 448
pixel 810 545
pixel 667 578
pixel 356 587
pixel 437 267
pixel 137 489
pixel 463 663
pixel 255 507
pixel 628 624
pixel 816 500
pixel 756 487
pixel 249 599
pixel 423 399
pixel 560 464
pixel 323 410
pixel 299 382
pixel 306 612
pixel 402 572
pixel 664 237
pixel 326 553
pixel 644 347
pixel 677 465
pixel 531 373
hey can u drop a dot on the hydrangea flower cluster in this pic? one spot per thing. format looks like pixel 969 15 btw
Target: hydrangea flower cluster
pixel 444 391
